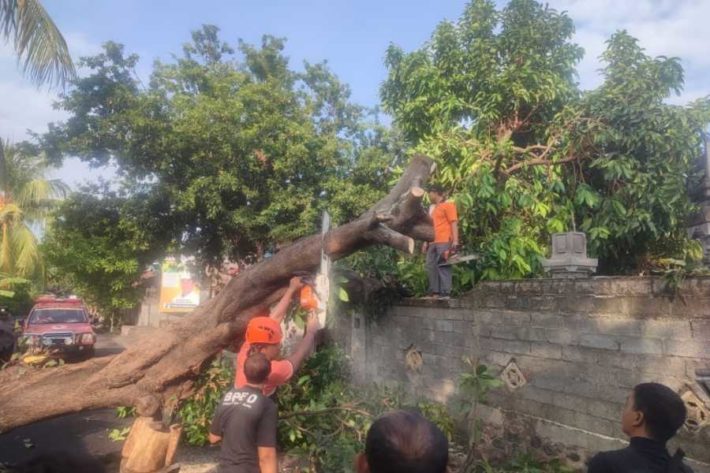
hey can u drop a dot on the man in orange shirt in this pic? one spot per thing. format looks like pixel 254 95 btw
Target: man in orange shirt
pixel 264 335
pixel 446 241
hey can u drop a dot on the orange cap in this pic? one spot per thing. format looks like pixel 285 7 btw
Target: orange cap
pixel 264 330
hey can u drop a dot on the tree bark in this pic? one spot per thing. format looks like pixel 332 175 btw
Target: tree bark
pixel 162 365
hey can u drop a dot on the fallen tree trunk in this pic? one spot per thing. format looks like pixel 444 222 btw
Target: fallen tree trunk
pixel 163 365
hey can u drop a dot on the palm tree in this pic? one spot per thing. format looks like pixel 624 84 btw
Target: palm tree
pixel 39 44
pixel 26 198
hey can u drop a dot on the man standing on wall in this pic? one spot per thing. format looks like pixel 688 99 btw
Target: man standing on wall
pixel 446 242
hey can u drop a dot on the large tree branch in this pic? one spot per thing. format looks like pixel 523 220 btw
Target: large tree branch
pixel 162 365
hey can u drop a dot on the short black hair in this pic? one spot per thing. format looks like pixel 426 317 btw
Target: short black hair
pixel 406 442
pixel 663 410
pixel 436 188
pixel 257 368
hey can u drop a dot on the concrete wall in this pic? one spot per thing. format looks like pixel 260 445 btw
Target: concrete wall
pixel 581 345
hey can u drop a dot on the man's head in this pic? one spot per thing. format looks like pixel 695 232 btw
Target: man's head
pixel 264 335
pixel 404 442
pixel 654 411
pixel 257 369
pixel 436 193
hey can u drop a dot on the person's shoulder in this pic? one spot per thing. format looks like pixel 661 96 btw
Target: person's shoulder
pixel 604 461
pixel 269 406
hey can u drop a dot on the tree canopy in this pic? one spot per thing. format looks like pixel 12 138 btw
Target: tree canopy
pixel 238 151
pixel 244 151
pixel 493 97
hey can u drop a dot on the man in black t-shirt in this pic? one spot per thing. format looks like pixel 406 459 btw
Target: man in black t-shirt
pixel 245 422
pixel 652 415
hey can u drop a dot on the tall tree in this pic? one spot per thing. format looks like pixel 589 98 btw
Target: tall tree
pixel 39 44
pixel 247 151
pixel 100 243
pixel 493 97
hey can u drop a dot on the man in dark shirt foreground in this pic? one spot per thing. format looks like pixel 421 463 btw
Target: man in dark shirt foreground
pixel 246 421
pixel 403 442
pixel 652 415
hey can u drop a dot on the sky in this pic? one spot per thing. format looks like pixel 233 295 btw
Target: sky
pixel 352 35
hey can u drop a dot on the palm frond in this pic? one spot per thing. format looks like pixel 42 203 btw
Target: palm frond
pixel 38 193
pixel 5 249
pixel 10 214
pixel 39 44
pixel 7 282
pixel 28 260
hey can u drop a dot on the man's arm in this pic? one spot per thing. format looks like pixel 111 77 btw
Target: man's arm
pixel 455 233
pixel 214 438
pixel 268 462
pixel 307 344
pixel 279 312
pixel 266 438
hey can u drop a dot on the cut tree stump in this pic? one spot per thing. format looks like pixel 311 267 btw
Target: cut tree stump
pixel 150 447
pixel 162 366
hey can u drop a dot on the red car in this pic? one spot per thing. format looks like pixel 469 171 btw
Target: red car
pixel 60 326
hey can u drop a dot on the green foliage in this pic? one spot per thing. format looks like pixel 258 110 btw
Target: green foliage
pixel 119 435
pixel 25 199
pixel 15 294
pixel 641 160
pixel 320 419
pixel 493 98
pixel 125 411
pixel 99 244
pixel 326 420
pixel 244 151
pixel 196 412
pixel 37 41
pixel 475 384
pixel 522 464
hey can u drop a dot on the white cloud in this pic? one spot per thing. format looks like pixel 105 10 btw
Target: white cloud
pixel 25 107
pixel 663 27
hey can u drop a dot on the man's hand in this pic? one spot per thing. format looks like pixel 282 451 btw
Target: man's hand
pixel 279 311
pixel 295 284
pixel 425 247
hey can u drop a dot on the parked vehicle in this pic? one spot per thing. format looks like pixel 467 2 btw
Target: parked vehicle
pixel 59 326
pixel 7 335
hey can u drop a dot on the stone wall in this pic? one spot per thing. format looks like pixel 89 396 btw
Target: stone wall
pixel 580 346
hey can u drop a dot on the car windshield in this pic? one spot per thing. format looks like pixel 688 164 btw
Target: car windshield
pixel 57 316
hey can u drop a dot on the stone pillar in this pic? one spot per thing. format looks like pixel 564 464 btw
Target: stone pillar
pixel 569 257
pixel 699 226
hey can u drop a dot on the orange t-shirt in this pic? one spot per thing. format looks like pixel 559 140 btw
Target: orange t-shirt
pixel 281 372
pixel 443 215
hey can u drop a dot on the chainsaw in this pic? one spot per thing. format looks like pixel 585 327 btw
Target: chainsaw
pixel 451 257
pixel 315 293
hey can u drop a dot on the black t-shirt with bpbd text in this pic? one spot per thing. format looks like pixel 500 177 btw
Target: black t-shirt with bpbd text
pixel 246 420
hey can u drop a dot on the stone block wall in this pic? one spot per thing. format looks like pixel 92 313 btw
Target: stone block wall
pixel 581 346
